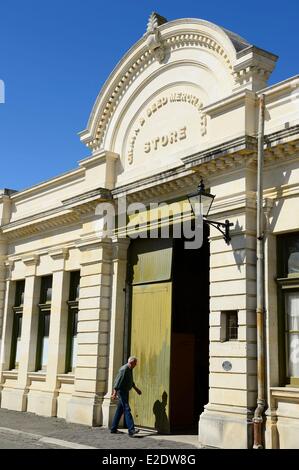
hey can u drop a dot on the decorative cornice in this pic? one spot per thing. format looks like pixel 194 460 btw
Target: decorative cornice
pixel 282 136
pixel 279 147
pixel 228 156
pixel 89 196
pixel 241 145
pixel 253 67
pixel 69 213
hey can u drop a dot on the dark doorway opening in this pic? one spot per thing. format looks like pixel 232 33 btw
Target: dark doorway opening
pixel 155 265
pixel 189 369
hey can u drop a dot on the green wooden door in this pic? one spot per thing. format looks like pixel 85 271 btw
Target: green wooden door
pixel 150 343
pixel 151 271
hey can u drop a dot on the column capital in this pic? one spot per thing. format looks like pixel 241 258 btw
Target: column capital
pixel 120 248
pixel 93 243
pixel 59 256
pixel 9 264
pixel 31 262
pixel 59 253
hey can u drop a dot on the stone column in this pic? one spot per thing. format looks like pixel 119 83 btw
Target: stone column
pixel 2 292
pixel 85 407
pixel 117 320
pixel 7 323
pixel 45 402
pixel 4 219
pixel 29 331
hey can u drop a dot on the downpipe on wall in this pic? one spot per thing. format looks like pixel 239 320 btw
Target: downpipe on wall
pixel 258 419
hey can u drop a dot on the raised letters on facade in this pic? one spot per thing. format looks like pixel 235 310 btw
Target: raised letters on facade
pixel 173 136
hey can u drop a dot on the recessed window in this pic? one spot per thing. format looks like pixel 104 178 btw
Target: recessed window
pixel 71 353
pixel 74 285
pixel 17 325
pixel 44 323
pixel 46 290
pixel 292 332
pixel 288 247
pixel 288 307
pixel 232 326
pixel 229 325
pixel 20 290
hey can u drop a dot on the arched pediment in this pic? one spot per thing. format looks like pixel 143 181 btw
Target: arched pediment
pixel 171 73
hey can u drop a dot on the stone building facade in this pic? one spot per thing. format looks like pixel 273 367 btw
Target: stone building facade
pixel 181 105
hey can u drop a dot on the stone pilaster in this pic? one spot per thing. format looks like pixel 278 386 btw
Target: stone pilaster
pixel 7 322
pixel 45 402
pixel 85 407
pixel 4 219
pixel 29 331
pixel 2 293
pixel 227 419
pixel 117 321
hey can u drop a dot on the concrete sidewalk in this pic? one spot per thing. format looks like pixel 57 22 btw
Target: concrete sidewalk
pixel 56 432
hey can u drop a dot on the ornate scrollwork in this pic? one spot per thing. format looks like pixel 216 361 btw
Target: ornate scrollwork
pixel 154 39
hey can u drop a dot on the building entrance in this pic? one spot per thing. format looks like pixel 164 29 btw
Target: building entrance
pixel 169 332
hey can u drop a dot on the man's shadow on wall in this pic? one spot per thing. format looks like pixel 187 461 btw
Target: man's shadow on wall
pixel 161 418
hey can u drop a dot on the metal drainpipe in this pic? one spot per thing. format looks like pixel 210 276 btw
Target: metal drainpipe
pixel 260 288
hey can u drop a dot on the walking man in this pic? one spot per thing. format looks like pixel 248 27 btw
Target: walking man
pixel 122 385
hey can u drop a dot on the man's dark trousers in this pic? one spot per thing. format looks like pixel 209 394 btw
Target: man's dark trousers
pixel 123 407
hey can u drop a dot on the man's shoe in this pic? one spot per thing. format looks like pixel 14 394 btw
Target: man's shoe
pixel 113 431
pixel 132 433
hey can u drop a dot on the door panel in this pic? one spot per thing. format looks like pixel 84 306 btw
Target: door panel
pixel 150 343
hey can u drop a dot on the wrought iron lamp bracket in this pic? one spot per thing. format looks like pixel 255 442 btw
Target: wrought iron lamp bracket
pixel 219 225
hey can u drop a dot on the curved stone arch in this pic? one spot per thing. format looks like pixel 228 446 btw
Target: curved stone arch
pixel 175 34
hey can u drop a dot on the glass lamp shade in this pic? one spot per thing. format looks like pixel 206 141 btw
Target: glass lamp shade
pixel 201 201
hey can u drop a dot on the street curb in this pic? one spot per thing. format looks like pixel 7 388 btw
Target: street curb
pixel 47 440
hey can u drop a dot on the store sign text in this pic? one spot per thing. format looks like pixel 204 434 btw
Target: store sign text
pixel 172 137
pixel 164 140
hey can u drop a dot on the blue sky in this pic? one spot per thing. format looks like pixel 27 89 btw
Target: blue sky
pixel 56 54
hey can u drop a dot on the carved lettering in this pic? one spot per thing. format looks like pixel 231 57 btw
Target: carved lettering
pixel 183 133
pixel 157 105
pixel 165 140
pixel 130 158
pixel 147 147
pixel 171 138
pixel 155 143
